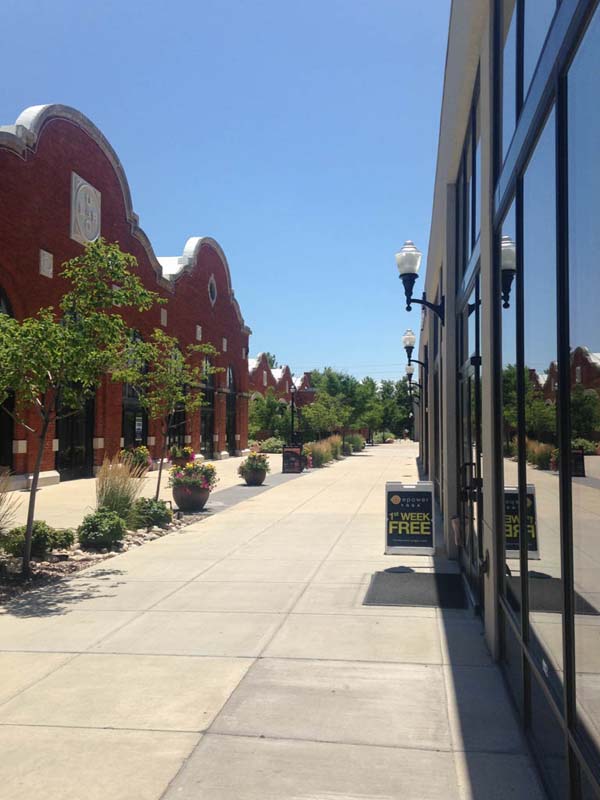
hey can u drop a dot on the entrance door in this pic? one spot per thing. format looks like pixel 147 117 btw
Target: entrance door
pixel 6 435
pixel 75 456
pixel 470 485
pixel 231 410
pixel 207 423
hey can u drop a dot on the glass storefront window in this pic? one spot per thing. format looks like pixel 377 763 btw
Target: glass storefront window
pixel 537 16
pixel 469 200
pixel 540 353
pixel 509 403
pixel 584 291
pixel 477 183
pixel 509 73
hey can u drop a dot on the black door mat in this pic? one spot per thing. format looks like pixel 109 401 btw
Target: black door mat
pixel 441 590
pixel 545 594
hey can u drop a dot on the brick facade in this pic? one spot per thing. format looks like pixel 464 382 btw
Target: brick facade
pixel 38 158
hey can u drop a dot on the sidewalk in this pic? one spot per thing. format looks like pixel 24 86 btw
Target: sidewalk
pixel 236 662
pixel 64 505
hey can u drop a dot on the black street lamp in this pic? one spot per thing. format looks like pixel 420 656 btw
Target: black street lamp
pixel 293 394
pixel 409 340
pixel 409 261
pixel 508 267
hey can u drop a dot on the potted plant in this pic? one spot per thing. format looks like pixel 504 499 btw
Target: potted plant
pixel 180 456
pixel 192 483
pixel 138 456
pixel 254 469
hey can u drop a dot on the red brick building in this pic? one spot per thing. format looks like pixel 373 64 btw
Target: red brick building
pixel 260 375
pixel 62 185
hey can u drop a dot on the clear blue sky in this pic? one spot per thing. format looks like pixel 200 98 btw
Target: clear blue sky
pixel 301 136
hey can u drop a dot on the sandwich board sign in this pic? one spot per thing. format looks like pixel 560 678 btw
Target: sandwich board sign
pixel 409 518
pixel 511 522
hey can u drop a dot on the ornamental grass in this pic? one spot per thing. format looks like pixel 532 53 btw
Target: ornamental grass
pixel 8 503
pixel 118 484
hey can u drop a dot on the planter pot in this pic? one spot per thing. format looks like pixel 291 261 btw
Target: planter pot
pixel 179 462
pixel 255 477
pixel 190 498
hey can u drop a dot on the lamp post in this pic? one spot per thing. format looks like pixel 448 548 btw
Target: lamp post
pixel 508 267
pixel 293 394
pixel 408 261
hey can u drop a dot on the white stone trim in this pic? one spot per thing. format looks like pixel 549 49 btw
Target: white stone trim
pixel 85 210
pixel 151 440
pixel 19 446
pixel 237 437
pixel 121 442
pixel 199 333
pixel 46 264
pixel 187 439
pixel 98 443
pixel 164 317
pixel 55 444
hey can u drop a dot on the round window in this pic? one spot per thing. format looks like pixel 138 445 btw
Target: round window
pixel 212 290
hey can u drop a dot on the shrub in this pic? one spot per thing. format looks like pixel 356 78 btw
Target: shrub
pixel 103 528
pixel 539 454
pixel 272 445
pixel 175 451
pixel 321 453
pixel 347 449
pixel 193 474
pixel 8 503
pixel 379 438
pixel 589 447
pixel 43 540
pixel 335 443
pixel 118 485
pixel 255 461
pixel 138 456
pixel 357 442
pixel 147 512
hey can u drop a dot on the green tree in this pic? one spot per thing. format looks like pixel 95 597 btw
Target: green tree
pixel 166 379
pixel 54 362
pixel 271 360
pixel 585 413
pixel 269 415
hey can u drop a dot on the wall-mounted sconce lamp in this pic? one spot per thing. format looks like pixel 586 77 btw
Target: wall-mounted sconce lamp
pixel 408 261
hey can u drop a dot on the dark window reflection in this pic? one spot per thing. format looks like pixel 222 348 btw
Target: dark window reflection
pixel 543 512
pixel 509 404
pixel 509 73
pixel 537 17
pixel 584 294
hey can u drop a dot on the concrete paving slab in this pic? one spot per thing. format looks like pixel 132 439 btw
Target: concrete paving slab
pixel 174 693
pixel 194 633
pixel 265 769
pixel 463 641
pixel 158 568
pixel 392 705
pixel 72 763
pixel 337 637
pixel 88 594
pixel 274 570
pixel 232 596
pixel 20 670
pixel 484 776
pixel 480 713
pixel 344 570
pixel 347 598
pixel 69 632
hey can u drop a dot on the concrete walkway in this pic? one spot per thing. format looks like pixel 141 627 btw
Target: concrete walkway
pixel 235 662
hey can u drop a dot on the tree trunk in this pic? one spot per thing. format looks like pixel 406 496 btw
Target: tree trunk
pixel 32 498
pixel 165 433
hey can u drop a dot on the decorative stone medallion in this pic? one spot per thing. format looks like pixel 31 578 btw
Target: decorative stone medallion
pixel 212 290
pixel 85 210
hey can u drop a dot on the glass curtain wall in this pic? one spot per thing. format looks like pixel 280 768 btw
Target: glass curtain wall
pixel 547 206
